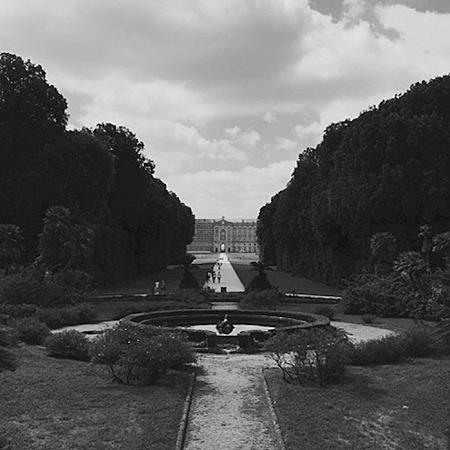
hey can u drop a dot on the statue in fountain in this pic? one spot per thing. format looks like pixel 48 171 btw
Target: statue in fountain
pixel 225 326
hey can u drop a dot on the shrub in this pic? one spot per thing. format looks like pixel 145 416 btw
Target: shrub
pixel 7 358
pixel 259 282
pixel 268 299
pixel 388 296
pixel 368 318
pixel 31 331
pixel 188 281
pixel 441 337
pixel 316 355
pixel 71 315
pixel 188 296
pixel 28 289
pixel 69 344
pixel 140 354
pixel 326 311
pixel 416 342
pixel 16 311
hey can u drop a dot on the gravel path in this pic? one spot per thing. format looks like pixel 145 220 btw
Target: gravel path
pixel 229 278
pixel 229 409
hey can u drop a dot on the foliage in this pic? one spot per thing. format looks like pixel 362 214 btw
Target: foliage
pixel 441 242
pixel 7 358
pixel 442 337
pixel 187 297
pixel 68 344
pixel 266 299
pixel 188 281
pixel 383 247
pixel 31 331
pixel 326 311
pixel 369 318
pixel 395 296
pixel 413 343
pixel 316 355
pixel 140 353
pixel 126 219
pixel 411 266
pixel 70 315
pixel 386 170
pixel 63 243
pixel 387 296
pixel 19 310
pixel 259 282
pixel 27 288
pixel 11 246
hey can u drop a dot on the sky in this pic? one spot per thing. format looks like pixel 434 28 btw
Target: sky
pixel 225 94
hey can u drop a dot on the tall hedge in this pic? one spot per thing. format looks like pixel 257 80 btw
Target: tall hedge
pixel 387 170
pixel 100 175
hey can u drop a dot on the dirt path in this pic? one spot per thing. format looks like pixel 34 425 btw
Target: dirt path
pixel 230 409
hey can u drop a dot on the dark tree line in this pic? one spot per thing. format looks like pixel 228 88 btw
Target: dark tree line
pixel 101 175
pixel 386 171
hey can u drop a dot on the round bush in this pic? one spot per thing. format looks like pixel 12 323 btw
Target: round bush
pixel 326 311
pixel 31 331
pixel 140 354
pixel 70 344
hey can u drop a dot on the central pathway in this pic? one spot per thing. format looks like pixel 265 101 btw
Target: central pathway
pixel 230 410
pixel 229 278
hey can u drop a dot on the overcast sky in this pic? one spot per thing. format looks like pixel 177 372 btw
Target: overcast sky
pixel 226 93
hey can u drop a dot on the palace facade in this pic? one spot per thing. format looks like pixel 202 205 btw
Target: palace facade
pixel 220 235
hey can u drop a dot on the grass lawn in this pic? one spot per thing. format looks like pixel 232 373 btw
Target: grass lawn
pixel 403 406
pixel 285 281
pixel 61 404
pixel 145 283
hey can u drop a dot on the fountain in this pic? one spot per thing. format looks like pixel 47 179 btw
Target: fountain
pixel 242 328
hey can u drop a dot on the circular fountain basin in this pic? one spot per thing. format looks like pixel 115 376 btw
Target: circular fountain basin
pixel 200 324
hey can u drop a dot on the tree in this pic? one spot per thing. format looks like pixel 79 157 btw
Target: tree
pixel 32 111
pixel 383 247
pixel 64 243
pixel 188 281
pixel 411 267
pixel 260 281
pixel 101 175
pixel 384 170
pixel 11 246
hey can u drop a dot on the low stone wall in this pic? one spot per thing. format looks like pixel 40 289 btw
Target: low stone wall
pixel 279 320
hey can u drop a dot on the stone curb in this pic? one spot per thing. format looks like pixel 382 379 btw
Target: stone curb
pixel 273 414
pixel 182 428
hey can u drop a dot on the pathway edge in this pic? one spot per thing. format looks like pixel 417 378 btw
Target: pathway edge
pixel 182 428
pixel 273 413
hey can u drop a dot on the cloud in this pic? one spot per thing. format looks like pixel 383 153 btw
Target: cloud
pixel 269 117
pixel 229 89
pixel 232 193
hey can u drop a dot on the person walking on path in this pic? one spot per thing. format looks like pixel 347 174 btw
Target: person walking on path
pixel 214 276
pixel 218 277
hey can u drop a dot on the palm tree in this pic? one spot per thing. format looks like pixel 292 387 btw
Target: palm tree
pixel 11 246
pixel 259 282
pixel 260 267
pixel 64 243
